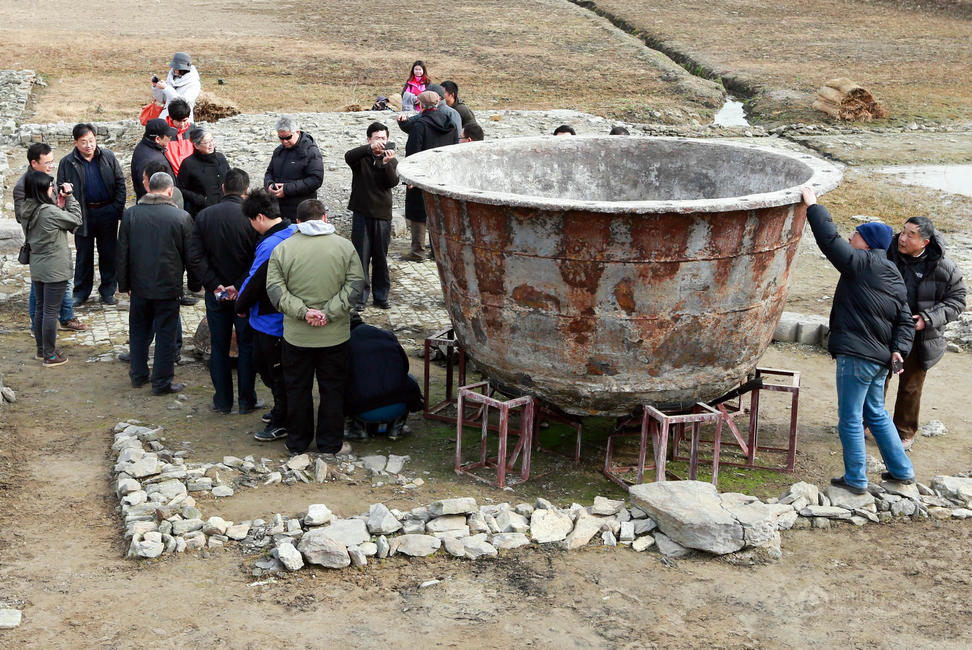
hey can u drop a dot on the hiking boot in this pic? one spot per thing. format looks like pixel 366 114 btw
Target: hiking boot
pixel 74 325
pixel 267 417
pixel 343 451
pixel 886 476
pixel 270 433
pixel 57 359
pixel 109 300
pixel 172 387
pixel 413 257
pixel 355 431
pixel 249 409
pixel 841 483
pixel 188 300
pixel 382 304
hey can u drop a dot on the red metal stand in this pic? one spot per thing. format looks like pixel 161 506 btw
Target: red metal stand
pixel 658 425
pixel 524 444
pixel 750 445
pixel 445 338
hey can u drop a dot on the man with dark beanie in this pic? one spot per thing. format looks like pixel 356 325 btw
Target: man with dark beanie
pixel 870 332
pixel 936 296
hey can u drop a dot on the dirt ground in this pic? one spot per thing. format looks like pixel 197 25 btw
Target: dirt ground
pixel 915 57
pixel 902 585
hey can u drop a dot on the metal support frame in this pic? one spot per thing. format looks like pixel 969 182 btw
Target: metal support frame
pixel 524 443
pixel 658 425
pixel 446 338
pixel 750 445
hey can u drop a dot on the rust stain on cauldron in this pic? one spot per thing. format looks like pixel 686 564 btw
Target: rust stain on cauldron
pixel 530 297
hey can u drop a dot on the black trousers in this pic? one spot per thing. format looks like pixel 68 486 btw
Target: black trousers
pixel 331 366
pixel 49 296
pixel 103 232
pixel 371 238
pixel 267 355
pixel 144 316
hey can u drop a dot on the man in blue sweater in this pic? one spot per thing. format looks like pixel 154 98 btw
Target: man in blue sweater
pixel 870 330
pixel 267 323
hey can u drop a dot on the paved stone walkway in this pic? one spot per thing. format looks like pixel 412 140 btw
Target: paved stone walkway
pixel 416 298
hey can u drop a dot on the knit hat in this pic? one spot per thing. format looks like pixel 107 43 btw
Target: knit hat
pixel 877 235
pixel 429 99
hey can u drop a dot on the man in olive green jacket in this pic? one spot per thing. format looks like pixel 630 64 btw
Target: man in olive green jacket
pixel 313 279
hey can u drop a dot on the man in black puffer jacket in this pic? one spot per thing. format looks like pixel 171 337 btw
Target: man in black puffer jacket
pixel 936 296
pixel 432 128
pixel 296 170
pixel 870 330
pixel 151 148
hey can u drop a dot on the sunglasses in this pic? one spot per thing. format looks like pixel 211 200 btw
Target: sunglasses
pixel 285 137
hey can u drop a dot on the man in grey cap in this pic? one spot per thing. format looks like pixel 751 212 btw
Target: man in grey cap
pixel 405 122
pixel 182 82
pixel 151 147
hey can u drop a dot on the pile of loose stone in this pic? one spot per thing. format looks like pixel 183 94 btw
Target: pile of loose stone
pixel 676 517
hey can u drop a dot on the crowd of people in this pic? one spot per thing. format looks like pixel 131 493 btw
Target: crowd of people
pixel 274 273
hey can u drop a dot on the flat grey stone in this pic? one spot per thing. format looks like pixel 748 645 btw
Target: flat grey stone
pixel 832 512
pixel 298 462
pixel 669 547
pixel 320 470
pixel 902 490
pixel 369 549
pixel 524 509
pixel 938 512
pixel 222 491
pixel 382 522
pixel 148 465
pixel 903 508
pixel 318 514
pixel 454 547
pixel 642 543
pixel 510 521
pixel 395 464
pixel 605 506
pixel 821 522
pixel 542 504
pixel 184 526
pixel 289 557
pixel 10 618
pixel 201 484
pixel 460 506
pixel 870 516
pixel 382 547
pixel 477 523
pixel 358 557
pixel 375 463
pixel 644 525
pixel 505 541
pixel 446 523
pixel 349 532
pixel 135 498
pixel 9 394
pixel 413 527
pixel 961 513
pixel 415 545
pixel 954 487
pixel 477 547
pixel 232 461
pixel 608 538
pixel 933 428
pixel 842 498
pixel 238 531
pixel 627 532
pixel 691 514
pixel 319 548
pixel 215 526
pixel 549 526
pixel 585 528
pixel 801 491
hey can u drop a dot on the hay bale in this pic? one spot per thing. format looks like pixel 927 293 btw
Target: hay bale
pixel 845 99
pixel 211 109
pixel 352 108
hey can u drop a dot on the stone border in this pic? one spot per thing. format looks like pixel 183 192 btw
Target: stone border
pixel 153 485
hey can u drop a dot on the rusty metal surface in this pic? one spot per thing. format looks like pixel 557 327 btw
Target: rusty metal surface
pixel 598 312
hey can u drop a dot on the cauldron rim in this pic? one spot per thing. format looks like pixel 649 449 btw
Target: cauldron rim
pixel 824 177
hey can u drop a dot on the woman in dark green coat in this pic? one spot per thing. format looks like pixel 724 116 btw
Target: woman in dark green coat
pixel 48 216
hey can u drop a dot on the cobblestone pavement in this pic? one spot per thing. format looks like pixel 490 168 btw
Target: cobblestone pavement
pixel 417 307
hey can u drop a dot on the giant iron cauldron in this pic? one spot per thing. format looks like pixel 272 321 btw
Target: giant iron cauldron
pixel 604 273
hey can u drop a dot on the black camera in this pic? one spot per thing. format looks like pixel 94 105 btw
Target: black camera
pixel 155 78
pixel 62 190
pixel 389 145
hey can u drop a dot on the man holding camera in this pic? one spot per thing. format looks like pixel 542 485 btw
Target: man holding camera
pixel 296 170
pixel 99 187
pixel 374 172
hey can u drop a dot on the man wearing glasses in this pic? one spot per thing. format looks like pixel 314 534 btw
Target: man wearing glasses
pixel 296 170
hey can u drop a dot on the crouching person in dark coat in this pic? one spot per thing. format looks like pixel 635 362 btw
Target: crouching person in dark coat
pixel 870 332
pixel 153 247
pixel 380 392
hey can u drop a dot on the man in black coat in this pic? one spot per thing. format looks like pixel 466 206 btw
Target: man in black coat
pixel 99 187
pixel 936 295
pixel 220 254
pixel 153 244
pixel 432 128
pixel 870 331
pixel 151 148
pixel 380 391
pixel 296 170
pixel 374 172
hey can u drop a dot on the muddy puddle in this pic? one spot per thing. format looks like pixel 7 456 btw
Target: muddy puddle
pixel 953 179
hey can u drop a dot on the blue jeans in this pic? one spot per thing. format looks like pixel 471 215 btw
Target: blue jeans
pixel 67 304
pixel 222 319
pixel 860 400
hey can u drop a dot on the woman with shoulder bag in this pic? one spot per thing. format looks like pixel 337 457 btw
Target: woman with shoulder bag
pixel 48 217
